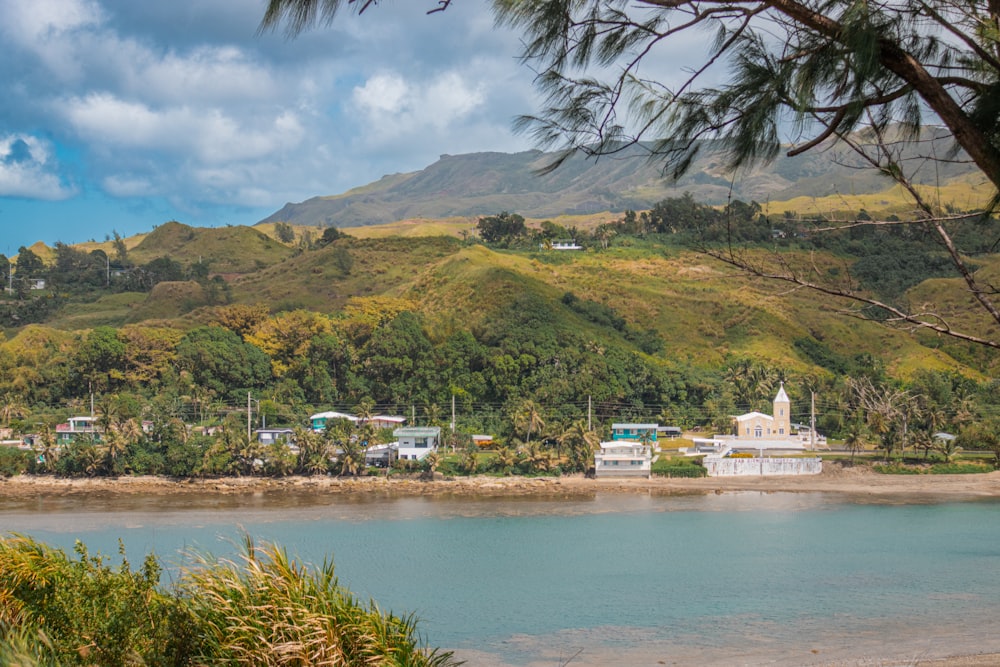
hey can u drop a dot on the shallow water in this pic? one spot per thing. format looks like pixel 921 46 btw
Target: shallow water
pixel 630 579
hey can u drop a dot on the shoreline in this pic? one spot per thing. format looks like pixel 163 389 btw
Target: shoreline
pixel 856 481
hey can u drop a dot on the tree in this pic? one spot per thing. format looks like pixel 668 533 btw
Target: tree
pixel 284 232
pixel 501 228
pixel 528 418
pixel 867 77
pixel 29 265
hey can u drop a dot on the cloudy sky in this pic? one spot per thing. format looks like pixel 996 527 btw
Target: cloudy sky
pixel 119 115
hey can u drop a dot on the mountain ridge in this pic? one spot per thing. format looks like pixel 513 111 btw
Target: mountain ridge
pixel 477 184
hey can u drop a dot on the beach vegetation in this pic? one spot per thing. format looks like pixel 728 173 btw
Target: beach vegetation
pixel 679 466
pixel 260 608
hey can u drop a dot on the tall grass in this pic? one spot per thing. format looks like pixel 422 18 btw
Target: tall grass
pixel 261 608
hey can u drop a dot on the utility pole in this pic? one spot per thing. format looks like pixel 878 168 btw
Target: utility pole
pixel 248 417
pixel 812 423
pixel 453 413
pixel 589 428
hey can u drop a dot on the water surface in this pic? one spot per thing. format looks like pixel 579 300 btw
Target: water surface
pixel 632 579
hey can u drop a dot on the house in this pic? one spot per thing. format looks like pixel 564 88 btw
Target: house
pixel 414 443
pixel 386 421
pixel 269 436
pixel 482 440
pixel 75 427
pixel 566 245
pixel 319 420
pixel 623 458
pixel 380 456
pixel 670 432
pixel 635 432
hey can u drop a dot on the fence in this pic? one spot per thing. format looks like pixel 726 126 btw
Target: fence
pixel 729 467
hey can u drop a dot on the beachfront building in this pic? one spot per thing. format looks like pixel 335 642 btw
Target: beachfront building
pixel 319 420
pixel 413 443
pixel 269 436
pixel 623 458
pixel 756 430
pixel 759 426
pixel 635 432
pixel 76 427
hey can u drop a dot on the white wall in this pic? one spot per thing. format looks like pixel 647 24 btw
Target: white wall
pixel 730 467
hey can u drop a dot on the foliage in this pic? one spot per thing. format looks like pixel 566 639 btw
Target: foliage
pixel 679 467
pixel 934 469
pixel 504 228
pixel 13 461
pixel 261 609
pixel 217 359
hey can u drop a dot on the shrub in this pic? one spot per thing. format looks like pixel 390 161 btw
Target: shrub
pixel 260 609
pixel 679 467
pixel 13 461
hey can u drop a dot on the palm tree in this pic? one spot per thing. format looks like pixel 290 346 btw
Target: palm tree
pixel 580 445
pixel 468 462
pixel 528 418
pixel 13 407
pixel 314 452
pixel 432 413
pixel 46 449
pixel 352 457
pixel 431 462
pixel 505 460
pixel 854 440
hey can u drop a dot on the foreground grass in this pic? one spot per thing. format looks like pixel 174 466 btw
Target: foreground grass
pixel 260 609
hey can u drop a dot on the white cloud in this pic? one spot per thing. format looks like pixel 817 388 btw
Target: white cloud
pixel 28 170
pixel 32 21
pixel 210 135
pixel 50 29
pixel 394 107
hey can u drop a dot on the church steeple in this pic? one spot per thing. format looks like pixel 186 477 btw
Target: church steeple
pixel 782 414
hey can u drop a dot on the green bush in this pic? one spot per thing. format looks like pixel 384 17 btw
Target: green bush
pixel 935 469
pixel 13 461
pixel 259 609
pixel 679 467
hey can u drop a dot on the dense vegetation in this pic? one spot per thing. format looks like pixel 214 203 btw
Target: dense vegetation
pixel 261 609
pixel 618 332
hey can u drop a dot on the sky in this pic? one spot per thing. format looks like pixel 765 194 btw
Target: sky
pixel 120 115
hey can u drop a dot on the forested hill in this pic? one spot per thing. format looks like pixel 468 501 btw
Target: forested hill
pixel 484 183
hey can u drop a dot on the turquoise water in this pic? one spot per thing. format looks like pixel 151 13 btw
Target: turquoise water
pixel 749 578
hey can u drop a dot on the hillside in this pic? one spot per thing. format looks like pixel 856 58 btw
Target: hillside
pixel 485 183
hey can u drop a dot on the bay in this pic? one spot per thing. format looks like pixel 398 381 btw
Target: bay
pixel 596 579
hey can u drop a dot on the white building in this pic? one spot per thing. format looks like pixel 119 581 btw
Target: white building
pixel 415 442
pixel 623 458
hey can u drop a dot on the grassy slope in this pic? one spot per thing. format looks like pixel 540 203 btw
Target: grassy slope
pixel 703 312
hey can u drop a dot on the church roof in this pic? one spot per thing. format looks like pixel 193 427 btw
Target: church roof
pixel 782 397
pixel 751 415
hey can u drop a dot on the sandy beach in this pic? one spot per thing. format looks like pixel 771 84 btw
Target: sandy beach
pixel 854 481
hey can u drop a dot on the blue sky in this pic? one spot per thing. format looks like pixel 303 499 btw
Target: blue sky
pixel 119 115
